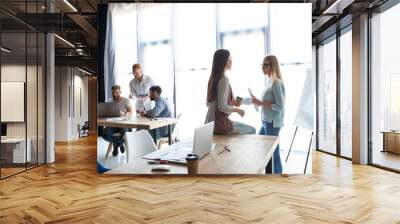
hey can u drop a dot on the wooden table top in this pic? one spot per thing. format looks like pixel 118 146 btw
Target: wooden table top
pixel 249 155
pixel 136 122
pixel 391 132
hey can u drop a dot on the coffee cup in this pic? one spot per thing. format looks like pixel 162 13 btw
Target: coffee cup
pixel 192 162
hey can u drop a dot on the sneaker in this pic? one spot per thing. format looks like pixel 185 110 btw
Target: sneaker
pixel 115 151
pixel 122 148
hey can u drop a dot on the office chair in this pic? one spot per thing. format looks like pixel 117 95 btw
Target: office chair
pixel 138 144
pixel 83 130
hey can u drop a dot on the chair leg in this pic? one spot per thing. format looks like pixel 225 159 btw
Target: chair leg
pixel 159 143
pixel 126 153
pixel 108 149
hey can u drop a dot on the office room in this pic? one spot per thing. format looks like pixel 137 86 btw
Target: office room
pixel 172 55
pixel 127 111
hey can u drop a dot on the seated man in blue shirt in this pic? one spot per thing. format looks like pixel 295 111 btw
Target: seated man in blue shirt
pixel 161 109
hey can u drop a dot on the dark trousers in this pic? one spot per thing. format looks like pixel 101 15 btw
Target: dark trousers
pixel 268 129
pixel 160 132
pixel 108 133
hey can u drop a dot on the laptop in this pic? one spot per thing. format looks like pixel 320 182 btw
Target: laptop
pixel 109 109
pixel 201 145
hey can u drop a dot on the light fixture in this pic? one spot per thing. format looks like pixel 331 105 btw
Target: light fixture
pixel 70 5
pixel 84 71
pixel 5 50
pixel 337 7
pixel 65 41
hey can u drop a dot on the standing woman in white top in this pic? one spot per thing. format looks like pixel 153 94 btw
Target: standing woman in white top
pixel 220 99
pixel 139 87
pixel 273 104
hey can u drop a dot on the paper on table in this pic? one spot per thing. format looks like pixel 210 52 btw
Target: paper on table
pixel 179 154
pixel 169 154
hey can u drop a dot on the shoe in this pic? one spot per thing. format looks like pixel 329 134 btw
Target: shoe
pixel 122 148
pixel 115 151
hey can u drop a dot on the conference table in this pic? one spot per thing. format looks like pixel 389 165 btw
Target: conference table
pixel 249 154
pixel 138 122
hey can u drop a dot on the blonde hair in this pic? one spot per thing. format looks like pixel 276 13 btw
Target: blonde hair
pixel 276 71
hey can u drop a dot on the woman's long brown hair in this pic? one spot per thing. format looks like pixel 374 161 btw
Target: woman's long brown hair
pixel 217 72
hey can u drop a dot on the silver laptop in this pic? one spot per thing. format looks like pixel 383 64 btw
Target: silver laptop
pixel 109 109
pixel 201 145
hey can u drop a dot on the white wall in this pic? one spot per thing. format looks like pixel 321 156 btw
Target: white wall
pixel 69 85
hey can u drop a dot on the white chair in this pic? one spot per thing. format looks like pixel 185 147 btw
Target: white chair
pixel 138 144
pixel 174 133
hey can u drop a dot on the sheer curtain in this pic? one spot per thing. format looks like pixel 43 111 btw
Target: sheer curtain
pixel 120 47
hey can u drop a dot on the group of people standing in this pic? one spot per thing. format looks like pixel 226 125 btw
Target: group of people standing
pixel 220 100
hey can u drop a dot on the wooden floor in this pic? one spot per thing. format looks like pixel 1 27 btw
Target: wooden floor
pixel 387 159
pixel 71 191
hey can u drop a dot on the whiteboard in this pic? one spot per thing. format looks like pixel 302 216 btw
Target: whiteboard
pixel 12 101
pixel 305 112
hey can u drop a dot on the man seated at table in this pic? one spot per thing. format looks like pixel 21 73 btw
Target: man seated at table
pixel 162 109
pixel 115 135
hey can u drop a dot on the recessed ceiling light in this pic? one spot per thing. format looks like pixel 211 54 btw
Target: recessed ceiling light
pixel 84 71
pixel 337 6
pixel 64 40
pixel 70 5
pixel 5 50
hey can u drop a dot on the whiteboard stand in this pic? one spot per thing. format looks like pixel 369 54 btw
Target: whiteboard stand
pixel 291 144
pixel 308 151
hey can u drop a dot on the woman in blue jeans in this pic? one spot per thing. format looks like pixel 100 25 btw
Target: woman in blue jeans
pixel 272 103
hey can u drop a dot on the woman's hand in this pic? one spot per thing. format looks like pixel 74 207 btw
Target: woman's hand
pixel 237 103
pixel 239 111
pixel 255 101
pixel 258 102
pixel 267 104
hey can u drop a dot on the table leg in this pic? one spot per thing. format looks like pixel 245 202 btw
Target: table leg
pixel 270 166
pixel 153 132
pixel 169 135
pixel 272 162
pixel 384 143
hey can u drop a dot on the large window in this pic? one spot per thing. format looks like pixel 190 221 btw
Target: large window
pixel 127 16
pixel 193 24
pixel 346 94
pixel 327 96
pixel 155 46
pixel 385 89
